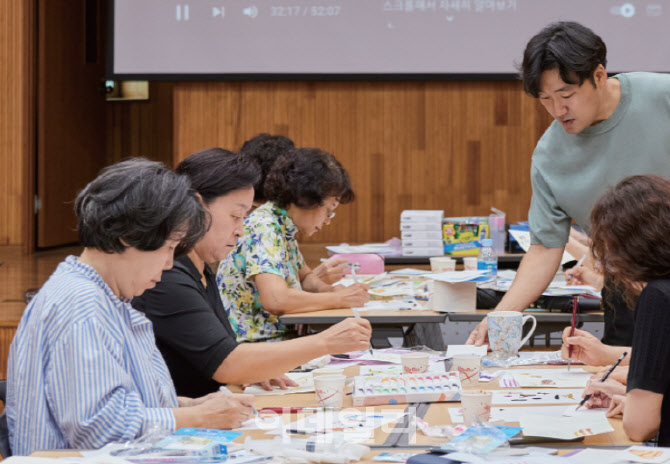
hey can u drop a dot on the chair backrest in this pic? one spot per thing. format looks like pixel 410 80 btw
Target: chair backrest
pixel 368 263
pixel 5 450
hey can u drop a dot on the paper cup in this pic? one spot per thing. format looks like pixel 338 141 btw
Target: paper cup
pixel 442 264
pixel 327 371
pixel 470 264
pixel 468 367
pixel 330 390
pixel 476 406
pixel 415 363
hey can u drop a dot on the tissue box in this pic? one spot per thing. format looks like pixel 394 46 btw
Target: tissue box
pixel 458 297
pixel 462 235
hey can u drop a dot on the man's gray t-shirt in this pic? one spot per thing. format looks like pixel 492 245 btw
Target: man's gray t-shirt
pixel 570 172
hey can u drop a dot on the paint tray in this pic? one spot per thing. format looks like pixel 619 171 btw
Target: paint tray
pixel 429 387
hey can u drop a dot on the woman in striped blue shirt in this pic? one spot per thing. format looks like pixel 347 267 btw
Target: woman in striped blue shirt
pixel 83 368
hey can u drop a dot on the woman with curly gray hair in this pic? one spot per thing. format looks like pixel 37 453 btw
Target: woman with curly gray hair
pixel 266 275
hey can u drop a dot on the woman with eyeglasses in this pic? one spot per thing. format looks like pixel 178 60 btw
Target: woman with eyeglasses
pixel 266 276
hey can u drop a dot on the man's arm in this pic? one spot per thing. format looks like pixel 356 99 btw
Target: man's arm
pixel 536 271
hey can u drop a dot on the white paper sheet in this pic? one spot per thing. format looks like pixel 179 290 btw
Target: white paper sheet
pixel 523 238
pixel 433 366
pixel 544 378
pixel 303 379
pixel 592 455
pixel 646 454
pixel 565 428
pixel 387 306
pixel 513 413
pixel 535 397
pixel 352 425
pixel 452 277
pixel 453 350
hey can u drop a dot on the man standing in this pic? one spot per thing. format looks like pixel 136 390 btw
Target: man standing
pixel 605 129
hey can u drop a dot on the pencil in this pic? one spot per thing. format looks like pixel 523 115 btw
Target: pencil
pixel 358 316
pixel 607 374
pixel 575 303
pixel 288 409
pixel 579 263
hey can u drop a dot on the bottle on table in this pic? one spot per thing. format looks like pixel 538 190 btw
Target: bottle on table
pixel 488 259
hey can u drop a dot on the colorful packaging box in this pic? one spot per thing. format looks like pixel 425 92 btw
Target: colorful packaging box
pixel 462 235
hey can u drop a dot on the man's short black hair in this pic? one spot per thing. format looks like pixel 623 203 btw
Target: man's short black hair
pixel 215 172
pixel 305 177
pixel 141 204
pixel 265 149
pixel 573 49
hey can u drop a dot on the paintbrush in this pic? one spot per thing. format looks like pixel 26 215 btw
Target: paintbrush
pixel 575 303
pixel 579 263
pixel 607 374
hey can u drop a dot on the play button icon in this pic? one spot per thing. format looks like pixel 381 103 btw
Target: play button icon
pixel 216 11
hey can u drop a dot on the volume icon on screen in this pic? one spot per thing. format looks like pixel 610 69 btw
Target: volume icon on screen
pixel 250 11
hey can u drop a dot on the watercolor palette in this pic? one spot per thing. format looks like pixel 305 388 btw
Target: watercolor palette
pixel 406 388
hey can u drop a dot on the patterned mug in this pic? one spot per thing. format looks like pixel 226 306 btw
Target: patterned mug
pixel 505 332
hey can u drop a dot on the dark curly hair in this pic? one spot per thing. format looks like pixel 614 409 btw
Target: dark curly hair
pixel 572 48
pixel 141 204
pixel 629 230
pixel 305 177
pixel 265 149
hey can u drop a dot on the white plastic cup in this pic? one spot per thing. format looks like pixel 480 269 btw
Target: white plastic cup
pixel 468 367
pixel 476 406
pixel 330 390
pixel 327 371
pixel 470 263
pixel 442 264
pixel 415 363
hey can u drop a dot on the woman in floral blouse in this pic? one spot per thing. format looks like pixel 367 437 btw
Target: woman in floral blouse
pixel 266 275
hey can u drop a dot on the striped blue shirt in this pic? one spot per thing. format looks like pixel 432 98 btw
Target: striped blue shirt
pixel 83 368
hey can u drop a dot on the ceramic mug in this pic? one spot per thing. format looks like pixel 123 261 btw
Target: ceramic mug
pixel 505 332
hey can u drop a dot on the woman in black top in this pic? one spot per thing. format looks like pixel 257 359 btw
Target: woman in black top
pixel 191 326
pixel 630 241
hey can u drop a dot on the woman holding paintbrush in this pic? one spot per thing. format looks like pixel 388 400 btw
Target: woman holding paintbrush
pixel 630 227
pixel 266 276
pixel 190 324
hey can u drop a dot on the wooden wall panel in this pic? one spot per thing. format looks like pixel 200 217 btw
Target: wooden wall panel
pixel 457 146
pixel 141 128
pixel 16 120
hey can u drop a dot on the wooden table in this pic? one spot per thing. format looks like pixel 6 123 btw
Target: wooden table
pixel 438 413
pixel 409 440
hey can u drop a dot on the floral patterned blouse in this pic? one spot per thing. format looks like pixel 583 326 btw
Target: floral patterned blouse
pixel 268 246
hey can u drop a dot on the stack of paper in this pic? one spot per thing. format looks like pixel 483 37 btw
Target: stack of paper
pixel 421 232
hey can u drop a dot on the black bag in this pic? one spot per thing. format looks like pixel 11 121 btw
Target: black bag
pixel 488 299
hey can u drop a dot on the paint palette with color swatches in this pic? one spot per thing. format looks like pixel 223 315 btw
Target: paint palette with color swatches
pixel 406 388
